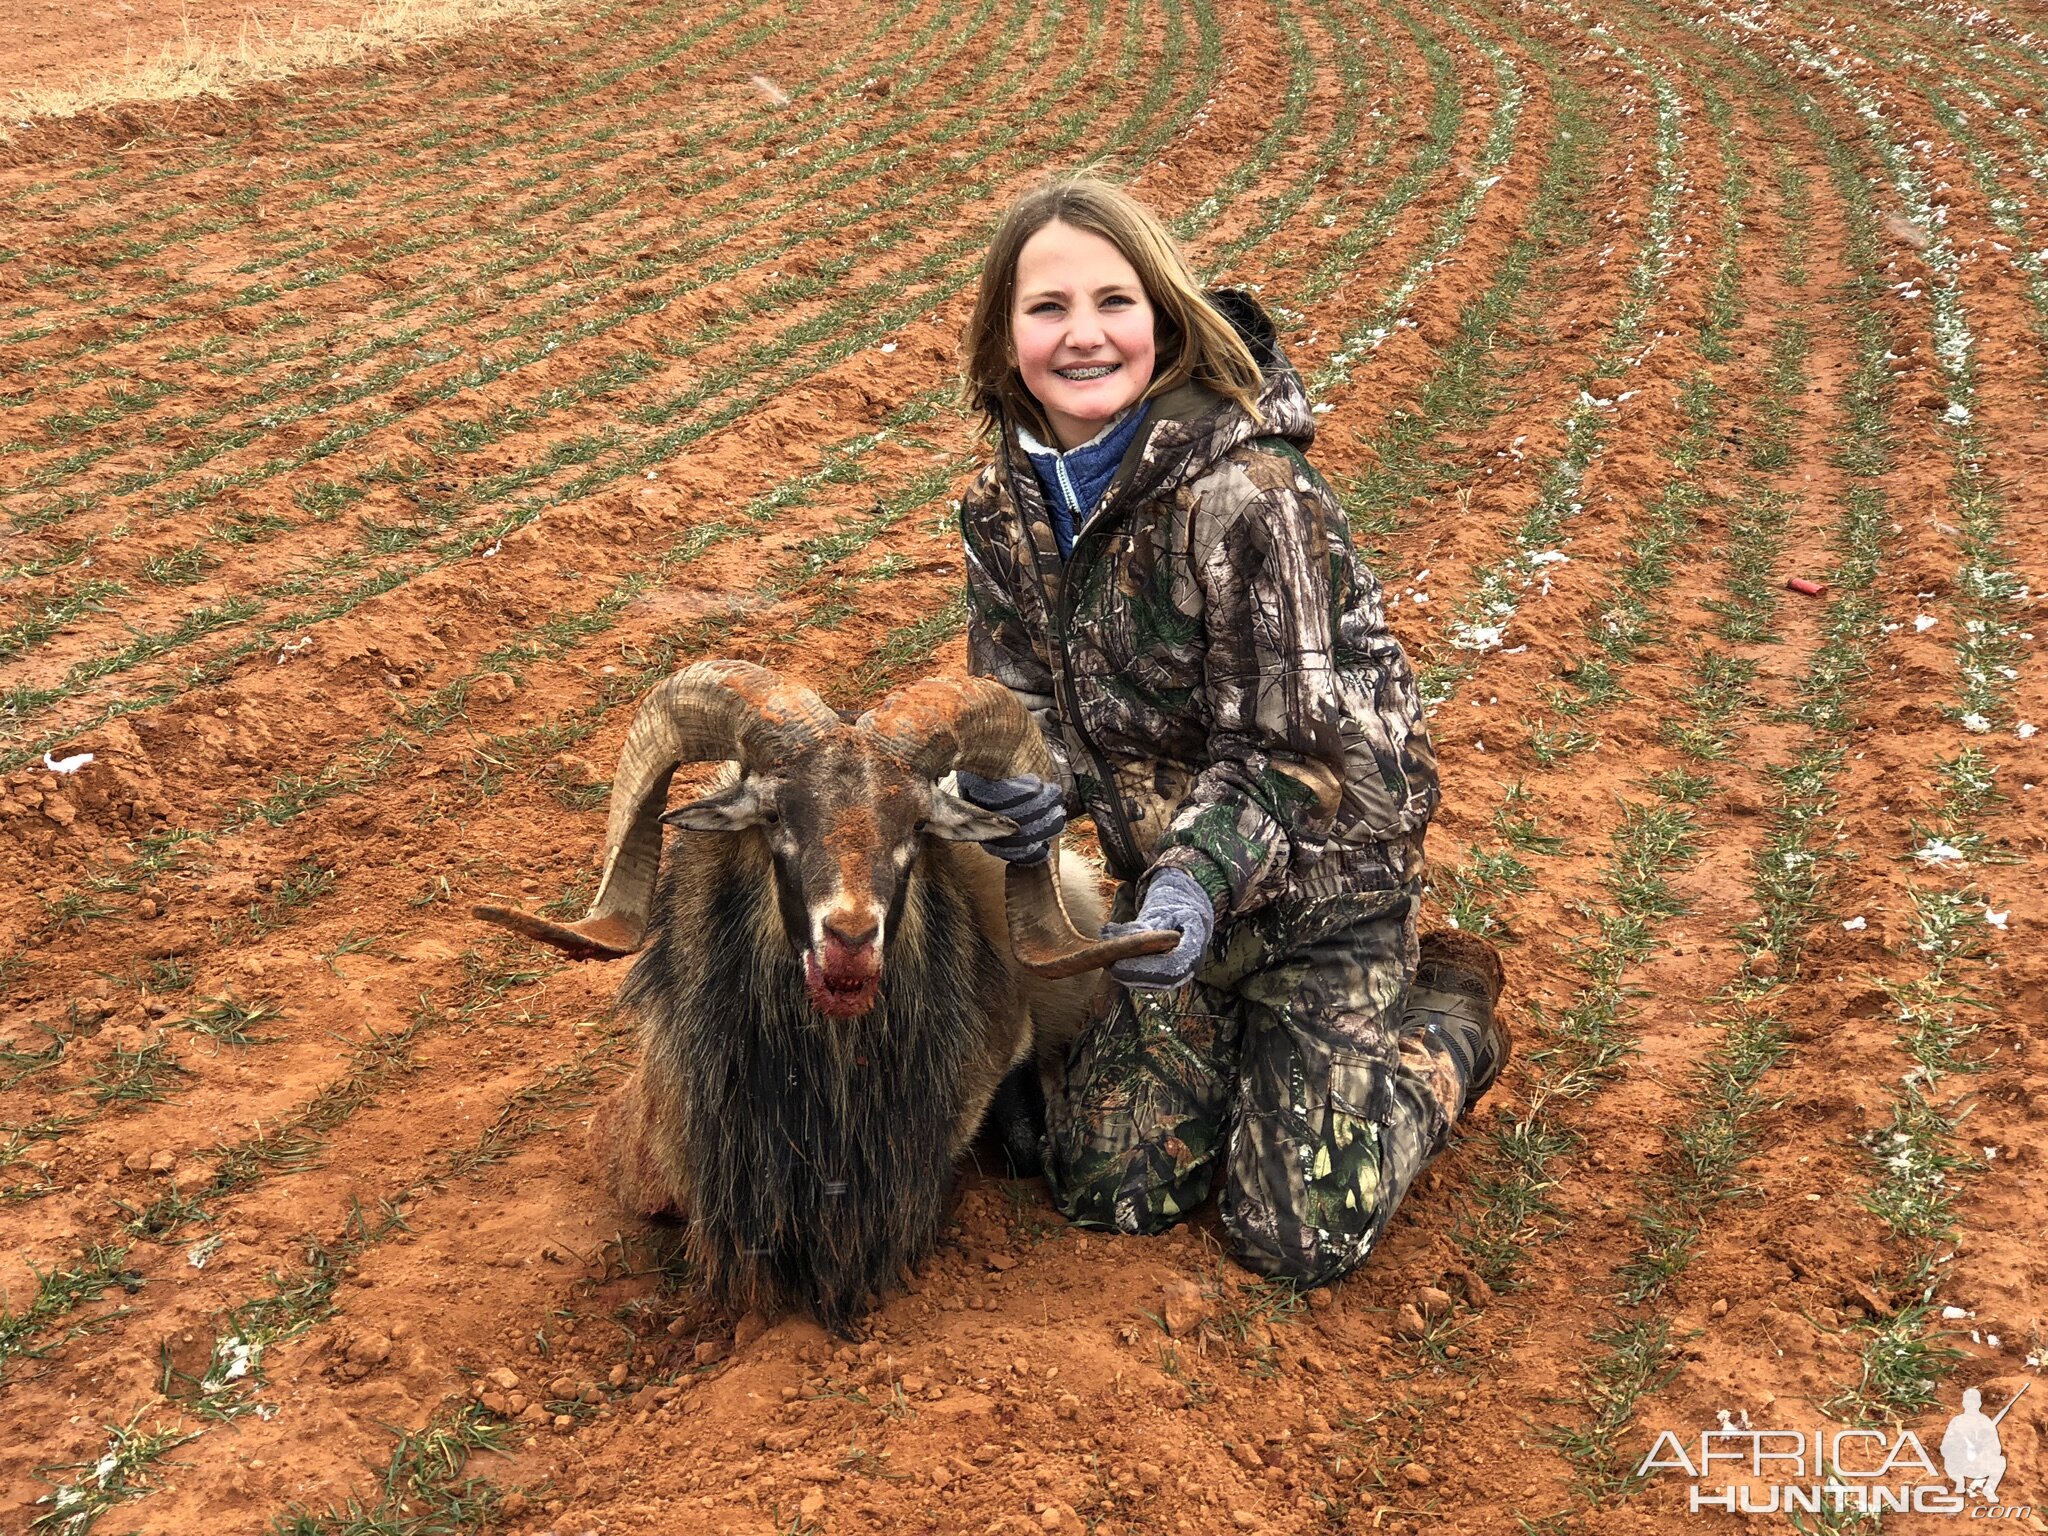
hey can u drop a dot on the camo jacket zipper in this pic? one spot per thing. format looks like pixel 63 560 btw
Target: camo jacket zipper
pixel 1053 590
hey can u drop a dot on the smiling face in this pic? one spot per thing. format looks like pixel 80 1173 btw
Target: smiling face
pixel 1082 327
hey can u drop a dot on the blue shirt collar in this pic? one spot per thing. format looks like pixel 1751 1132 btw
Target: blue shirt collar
pixel 1074 481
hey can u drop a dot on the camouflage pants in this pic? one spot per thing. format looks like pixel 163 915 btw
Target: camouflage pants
pixel 1284 1059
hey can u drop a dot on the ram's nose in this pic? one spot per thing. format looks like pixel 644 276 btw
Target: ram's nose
pixel 852 931
pixel 848 965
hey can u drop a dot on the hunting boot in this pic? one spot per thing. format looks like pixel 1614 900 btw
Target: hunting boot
pixel 1453 1001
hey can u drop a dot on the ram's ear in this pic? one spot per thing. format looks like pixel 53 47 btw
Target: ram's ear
pixel 959 821
pixel 746 804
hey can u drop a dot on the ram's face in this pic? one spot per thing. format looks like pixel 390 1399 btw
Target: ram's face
pixel 845 823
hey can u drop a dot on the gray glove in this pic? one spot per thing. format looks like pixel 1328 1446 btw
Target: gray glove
pixel 1037 807
pixel 1173 900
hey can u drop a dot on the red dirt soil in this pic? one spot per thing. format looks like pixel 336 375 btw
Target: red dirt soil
pixel 371 443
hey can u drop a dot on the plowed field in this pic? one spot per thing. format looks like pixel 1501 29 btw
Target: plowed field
pixel 368 444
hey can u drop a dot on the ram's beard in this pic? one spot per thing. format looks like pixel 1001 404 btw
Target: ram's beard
pixel 818 1149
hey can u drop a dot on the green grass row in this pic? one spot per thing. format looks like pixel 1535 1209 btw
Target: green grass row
pixel 626 256
pixel 1722 1101
pixel 1482 614
pixel 828 336
pixel 447 176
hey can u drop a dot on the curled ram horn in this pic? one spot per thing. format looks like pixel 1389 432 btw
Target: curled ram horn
pixel 713 711
pixel 943 724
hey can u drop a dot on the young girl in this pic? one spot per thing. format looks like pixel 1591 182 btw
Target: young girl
pixel 1158 573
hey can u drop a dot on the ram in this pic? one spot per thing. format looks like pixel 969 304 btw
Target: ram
pixel 833 980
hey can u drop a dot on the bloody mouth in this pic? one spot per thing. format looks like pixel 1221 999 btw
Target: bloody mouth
pixel 846 988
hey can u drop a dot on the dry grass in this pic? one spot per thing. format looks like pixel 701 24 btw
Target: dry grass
pixel 196 66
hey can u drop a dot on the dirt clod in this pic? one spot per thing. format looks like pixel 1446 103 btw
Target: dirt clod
pixel 1472 1287
pixel 1184 1307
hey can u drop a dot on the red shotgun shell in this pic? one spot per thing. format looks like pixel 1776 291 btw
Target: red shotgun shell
pixel 1801 584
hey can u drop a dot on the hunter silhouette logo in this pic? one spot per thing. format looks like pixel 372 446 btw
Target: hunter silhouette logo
pixel 1738 1469
pixel 1970 1452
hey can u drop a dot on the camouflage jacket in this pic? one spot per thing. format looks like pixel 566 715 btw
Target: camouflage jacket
pixel 1212 668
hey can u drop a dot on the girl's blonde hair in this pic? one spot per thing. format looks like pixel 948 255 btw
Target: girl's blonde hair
pixel 1194 342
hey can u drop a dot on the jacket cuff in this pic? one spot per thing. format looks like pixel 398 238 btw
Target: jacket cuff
pixel 1205 871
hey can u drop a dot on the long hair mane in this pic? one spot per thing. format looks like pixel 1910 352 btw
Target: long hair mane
pixel 818 1150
